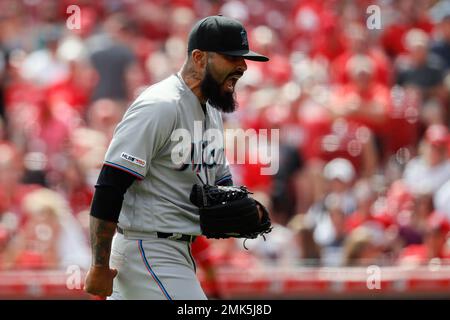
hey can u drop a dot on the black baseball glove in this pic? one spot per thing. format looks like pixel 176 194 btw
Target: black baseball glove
pixel 227 211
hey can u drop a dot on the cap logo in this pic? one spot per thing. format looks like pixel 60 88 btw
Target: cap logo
pixel 244 38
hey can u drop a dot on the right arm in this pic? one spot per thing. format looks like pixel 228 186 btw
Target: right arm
pixel 99 280
pixel 101 234
pixel 106 205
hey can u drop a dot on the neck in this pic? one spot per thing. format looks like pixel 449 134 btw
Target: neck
pixel 193 80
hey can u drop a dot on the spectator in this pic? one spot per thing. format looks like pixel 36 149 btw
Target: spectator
pixel 12 191
pixel 358 36
pixel 329 229
pixel 434 246
pixel 113 60
pixel 441 46
pixel 73 185
pixel 420 68
pixel 324 215
pixel 432 166
pixel 279 246
pixel 364 103
pixel 340 175
pixel 363 247
pixel 309 251
pixel 442 199
pixel 104 115
pixel 362 100
pixel 412 223
pixel 284 192
pixel 49 133
pixel 365 196
pixel 71 94
pixel 408 14
pixel 87 147
pixel 43 66
pixel 50 237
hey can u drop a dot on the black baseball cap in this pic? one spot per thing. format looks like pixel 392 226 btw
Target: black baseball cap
pixel 222 35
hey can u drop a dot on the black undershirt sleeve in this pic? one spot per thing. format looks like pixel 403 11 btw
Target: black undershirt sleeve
pixel 111 186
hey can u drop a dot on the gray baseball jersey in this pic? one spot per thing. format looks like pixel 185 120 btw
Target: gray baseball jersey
pixel 144 145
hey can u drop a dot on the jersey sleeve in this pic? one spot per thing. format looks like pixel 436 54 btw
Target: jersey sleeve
pixel 144 130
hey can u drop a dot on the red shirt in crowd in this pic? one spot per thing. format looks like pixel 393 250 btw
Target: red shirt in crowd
pixel 382 71
pixel 392 37
pixel 375 94
pixel 419 254
pixel 357 219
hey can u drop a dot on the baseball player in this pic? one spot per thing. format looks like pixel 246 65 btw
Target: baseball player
pixel 142 194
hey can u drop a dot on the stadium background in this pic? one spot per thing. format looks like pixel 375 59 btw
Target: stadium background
pixel 361 203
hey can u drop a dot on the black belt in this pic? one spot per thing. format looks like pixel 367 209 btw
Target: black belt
pixel 165 235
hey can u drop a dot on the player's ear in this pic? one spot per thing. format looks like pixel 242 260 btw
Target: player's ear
pixel 199 59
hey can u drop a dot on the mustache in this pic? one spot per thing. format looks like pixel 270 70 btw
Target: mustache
pixel 236 73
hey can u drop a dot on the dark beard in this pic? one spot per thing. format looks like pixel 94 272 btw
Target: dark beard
pixel 217 98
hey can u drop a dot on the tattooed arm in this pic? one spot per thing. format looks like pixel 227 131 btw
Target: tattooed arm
pixel 99 280
pixel 101 233
pixel 105 210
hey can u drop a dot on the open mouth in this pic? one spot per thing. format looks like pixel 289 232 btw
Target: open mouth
pixel 231 81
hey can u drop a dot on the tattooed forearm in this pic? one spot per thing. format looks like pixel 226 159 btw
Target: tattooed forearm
pixel 101 233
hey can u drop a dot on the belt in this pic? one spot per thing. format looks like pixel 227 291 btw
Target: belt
pixel 165 235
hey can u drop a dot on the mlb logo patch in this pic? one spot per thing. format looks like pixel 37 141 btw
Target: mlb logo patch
pixel 133 159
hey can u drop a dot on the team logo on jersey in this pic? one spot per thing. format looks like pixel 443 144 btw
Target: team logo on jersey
pixel 201 155
pixel 133 159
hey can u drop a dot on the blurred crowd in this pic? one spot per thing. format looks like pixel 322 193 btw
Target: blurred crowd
pixel 363 114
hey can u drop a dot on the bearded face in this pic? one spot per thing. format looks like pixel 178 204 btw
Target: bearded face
pixel 220 93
